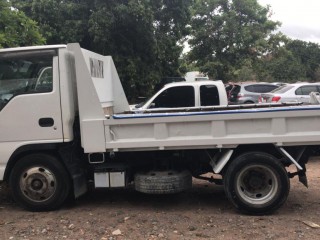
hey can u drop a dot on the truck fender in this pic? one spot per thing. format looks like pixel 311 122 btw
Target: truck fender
pixel 71 161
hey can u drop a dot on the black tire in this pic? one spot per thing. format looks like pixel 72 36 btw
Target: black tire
pixel 256 183
pixel 39 182
pixel 248 102
pixel 163 182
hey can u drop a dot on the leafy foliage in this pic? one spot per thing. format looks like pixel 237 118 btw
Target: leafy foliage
pixel 229 39
pixel 235 40
pixel 290 61
pixel 308 55
pixel 16 29
pixel 60 21
pixel 141 35
pixel 125 31
pixel 227 35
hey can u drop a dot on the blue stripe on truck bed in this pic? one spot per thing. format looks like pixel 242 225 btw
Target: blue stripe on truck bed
pixel 238 111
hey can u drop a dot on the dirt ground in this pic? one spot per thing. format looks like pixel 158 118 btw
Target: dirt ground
pixel 201 213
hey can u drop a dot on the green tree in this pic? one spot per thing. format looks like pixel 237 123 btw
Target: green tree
pixel 60 21
pixel 142 36
pixel 170 22
pixel 16 29
pixel 245 72
pixel 289 60
pixel 308 54
pixel 285 67
pixel 124 30
pixel 274 47
pixel 227 33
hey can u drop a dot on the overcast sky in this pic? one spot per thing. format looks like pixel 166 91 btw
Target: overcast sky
pixel 300 18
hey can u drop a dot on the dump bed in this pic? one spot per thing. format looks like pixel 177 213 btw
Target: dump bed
pixel 219 127
pixel 283 126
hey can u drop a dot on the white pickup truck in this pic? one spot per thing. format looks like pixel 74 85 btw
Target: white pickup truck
pixel 181 95
pixel 65 120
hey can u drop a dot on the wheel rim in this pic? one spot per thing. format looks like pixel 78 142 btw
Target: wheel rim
pixel 257 184
pixel 38 184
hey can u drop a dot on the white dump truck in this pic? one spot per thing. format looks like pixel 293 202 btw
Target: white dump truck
pixel 65 121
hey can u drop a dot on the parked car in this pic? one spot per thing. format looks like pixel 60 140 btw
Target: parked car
pixel 247 93
pixel 297 92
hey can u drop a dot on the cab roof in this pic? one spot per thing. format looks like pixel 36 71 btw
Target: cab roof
pixel 195 83
pixel 44 47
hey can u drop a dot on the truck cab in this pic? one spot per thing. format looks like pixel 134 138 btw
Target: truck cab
pixel 186 95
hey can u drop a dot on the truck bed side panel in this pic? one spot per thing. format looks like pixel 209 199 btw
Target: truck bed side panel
pixel 282 126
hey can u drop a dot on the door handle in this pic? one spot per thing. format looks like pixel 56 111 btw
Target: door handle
pixel 46 122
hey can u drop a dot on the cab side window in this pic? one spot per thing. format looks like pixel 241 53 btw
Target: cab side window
pixel 306 90
pixel 209 95
pixel 25 73
pixel 44 81
pixel 175 97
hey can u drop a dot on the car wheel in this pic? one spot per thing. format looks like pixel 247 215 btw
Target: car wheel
pixel 39 182
pixel 256 183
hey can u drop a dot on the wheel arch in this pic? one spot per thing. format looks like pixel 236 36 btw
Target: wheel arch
pixel 68 154
pixel 50 148
pixel 266 148
pixel 241 149
pixel 40 182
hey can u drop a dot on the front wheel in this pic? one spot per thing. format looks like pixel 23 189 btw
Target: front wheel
pixel 39 182
pixel 256 183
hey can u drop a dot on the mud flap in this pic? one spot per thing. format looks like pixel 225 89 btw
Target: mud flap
pixel 71 155
pixel 303 178
pixel 301 174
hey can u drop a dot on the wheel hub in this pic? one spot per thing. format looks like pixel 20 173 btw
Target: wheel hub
pixel 38 184
pixel 255 181
pixel 257 184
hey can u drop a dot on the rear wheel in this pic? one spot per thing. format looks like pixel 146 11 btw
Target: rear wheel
pixel 256 183
pixel 39 182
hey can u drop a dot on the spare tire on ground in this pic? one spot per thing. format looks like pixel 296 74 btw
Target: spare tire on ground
pixel 163 182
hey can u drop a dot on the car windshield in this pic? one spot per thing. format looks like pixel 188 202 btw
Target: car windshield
pixel 282 89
